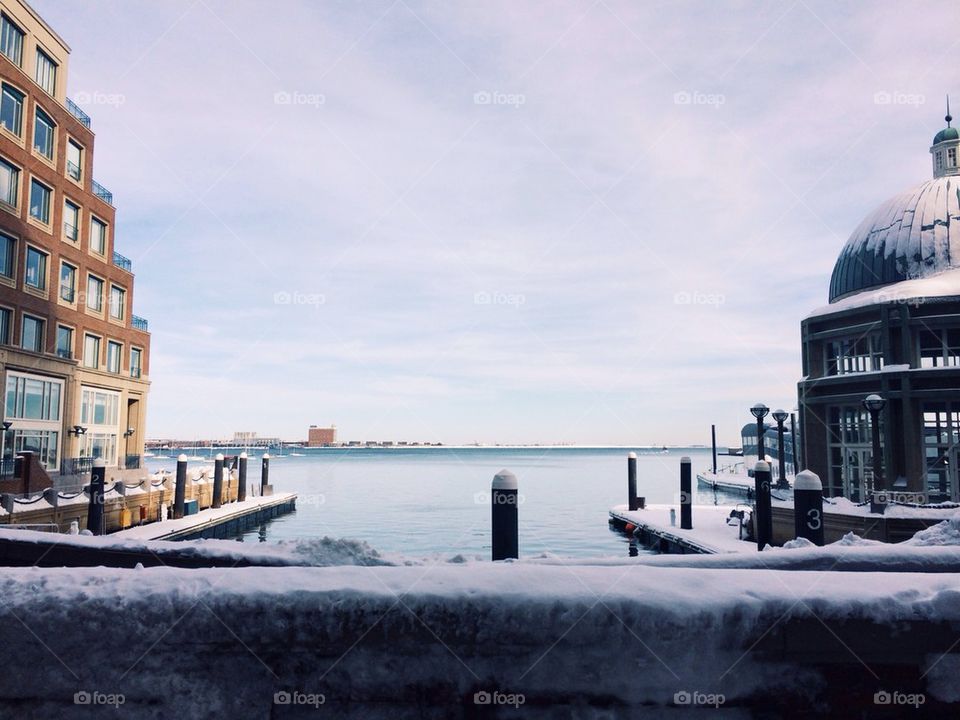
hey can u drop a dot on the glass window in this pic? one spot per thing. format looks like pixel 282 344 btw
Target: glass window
pixel 9 183
pixel 36 272
pixel 99 407
pixel 6 319
pixel 11 41
pixel 68 282
pixel 98 236
pixel 65 342
pixel 33 398
pixel 94 293
pixel 91 351
pixel 135 359
pixel 40 201
pixel 74 160
pixel 31 335
pixel 43 443
pixel 117 302
pixel 11 109
pixel 46 76
pixel 114 350
pixel 951 157
pixel 71 221
pixel 43 129
pixel 8 254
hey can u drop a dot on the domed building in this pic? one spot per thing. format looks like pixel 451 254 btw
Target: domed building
pixel 892 328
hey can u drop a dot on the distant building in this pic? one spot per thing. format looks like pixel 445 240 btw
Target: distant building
pixel 321 436
pixel 771 447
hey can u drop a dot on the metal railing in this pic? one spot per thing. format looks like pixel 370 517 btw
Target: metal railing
pixel 70 231
pixel 64 353
pixel 122 262
pixel 133 462
pixel 73 170
pixel 139 323
pixel 135 372
pixel 76 466
pixel 101 192
pixel 79 114
pixel 7 466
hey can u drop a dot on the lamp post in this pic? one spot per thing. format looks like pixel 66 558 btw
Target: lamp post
pixel 759 411
pixel 3 447
pixel 781 416
pixel 874 405
pixel 126 447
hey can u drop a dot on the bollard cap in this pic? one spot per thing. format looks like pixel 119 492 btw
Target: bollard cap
pixel 99 462
pixel 266 456
pixel 181 458
pixel 807 480
pixel 504 480
pixel 243 456
pixel 685 460
pixel 219 457
pixel 631 456
pixel 761 466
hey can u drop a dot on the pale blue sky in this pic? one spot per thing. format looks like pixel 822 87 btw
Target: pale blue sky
pixel 481 221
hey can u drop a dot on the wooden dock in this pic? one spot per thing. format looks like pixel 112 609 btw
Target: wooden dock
pixel 711 533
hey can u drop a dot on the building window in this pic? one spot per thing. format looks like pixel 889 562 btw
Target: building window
pixel 74 160
pixel 939 156
pixel 36 271
pixel 46 76
pixel 11 41
pixel 31 334
pixel 91 351
pixel 36 404
pixel 65 342
pixel 114 351
pixel 68 282
pixel 6 322
pixel 135 360
pixel 11 109
pixel 98 236
pixel 951 157
pixel 94 293
pixel 40 201
pixel 9 183
pixel 100 413
pixel 71 221
pixel 939 347
pixel 8 254
pixel 118 299
pixel 862 354
pixel 43 131
pixel 941 436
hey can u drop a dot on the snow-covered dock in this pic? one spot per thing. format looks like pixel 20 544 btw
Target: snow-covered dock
pixel 714 530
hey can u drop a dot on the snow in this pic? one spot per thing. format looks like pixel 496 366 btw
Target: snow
pixel 711 530
pixel 944 533
pixel 944 284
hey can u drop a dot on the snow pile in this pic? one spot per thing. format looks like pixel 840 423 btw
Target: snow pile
pixel 328 551
pixel 945 533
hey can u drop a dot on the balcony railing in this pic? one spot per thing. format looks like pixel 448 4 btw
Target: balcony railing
pixel 133 462
pixel 64 353
pixel 76 466
pixel 70 231
pixel 139 323
pixel 123 263
pixel 135 372
pixel 73 170
pixel 78 113
pixel 101 192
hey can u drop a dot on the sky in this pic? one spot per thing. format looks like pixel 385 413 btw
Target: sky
pixel 591 222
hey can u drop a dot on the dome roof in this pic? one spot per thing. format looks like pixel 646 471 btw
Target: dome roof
pixel 913 235
pixel 948 133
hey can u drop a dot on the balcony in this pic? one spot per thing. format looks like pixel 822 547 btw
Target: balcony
pixel 122 262
pixel 79 114
pixel 139 323
pixel 101 192
pixel 70 231
pixel 76 466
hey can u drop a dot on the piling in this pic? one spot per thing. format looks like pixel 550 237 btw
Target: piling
pixel 686 493
pixel 98 478
pixel 264 474
pixel 217 481
pixel 504 500
pixel 632 481
pixel 808 506
pixel 763 516
pixel 242 478
pixel 713 443
pixel 180 489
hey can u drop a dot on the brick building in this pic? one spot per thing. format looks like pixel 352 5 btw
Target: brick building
pixel 321 436
pixel 73 356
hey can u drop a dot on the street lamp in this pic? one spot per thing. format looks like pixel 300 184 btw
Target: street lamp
pixel 759 411
pixel 874 405
pixel 3 446
pixel 781 416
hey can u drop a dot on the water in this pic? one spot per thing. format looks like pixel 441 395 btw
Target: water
pixel 420 501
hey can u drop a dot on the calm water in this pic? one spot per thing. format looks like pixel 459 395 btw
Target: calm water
pixel 422 501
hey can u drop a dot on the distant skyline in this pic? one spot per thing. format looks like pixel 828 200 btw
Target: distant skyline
pixel 492 223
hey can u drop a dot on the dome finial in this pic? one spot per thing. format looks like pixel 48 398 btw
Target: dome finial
pixel 948 116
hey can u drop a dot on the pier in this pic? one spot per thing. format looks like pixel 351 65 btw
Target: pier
pixel 711 533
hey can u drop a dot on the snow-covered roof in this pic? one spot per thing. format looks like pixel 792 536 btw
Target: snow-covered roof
pixel 908 237
pixel 907 292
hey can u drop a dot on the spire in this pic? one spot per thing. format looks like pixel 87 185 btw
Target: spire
pixel 948 116
pixel 946 148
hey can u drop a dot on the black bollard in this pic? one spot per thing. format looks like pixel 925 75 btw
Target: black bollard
pixel 217 481
pixel 242 478
pixel 686 494
pixel 98 478
pixel 264 473
pixel 632 481
pixel 763 514
pixel 180 490
pixel 808 506
pixel 505 518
